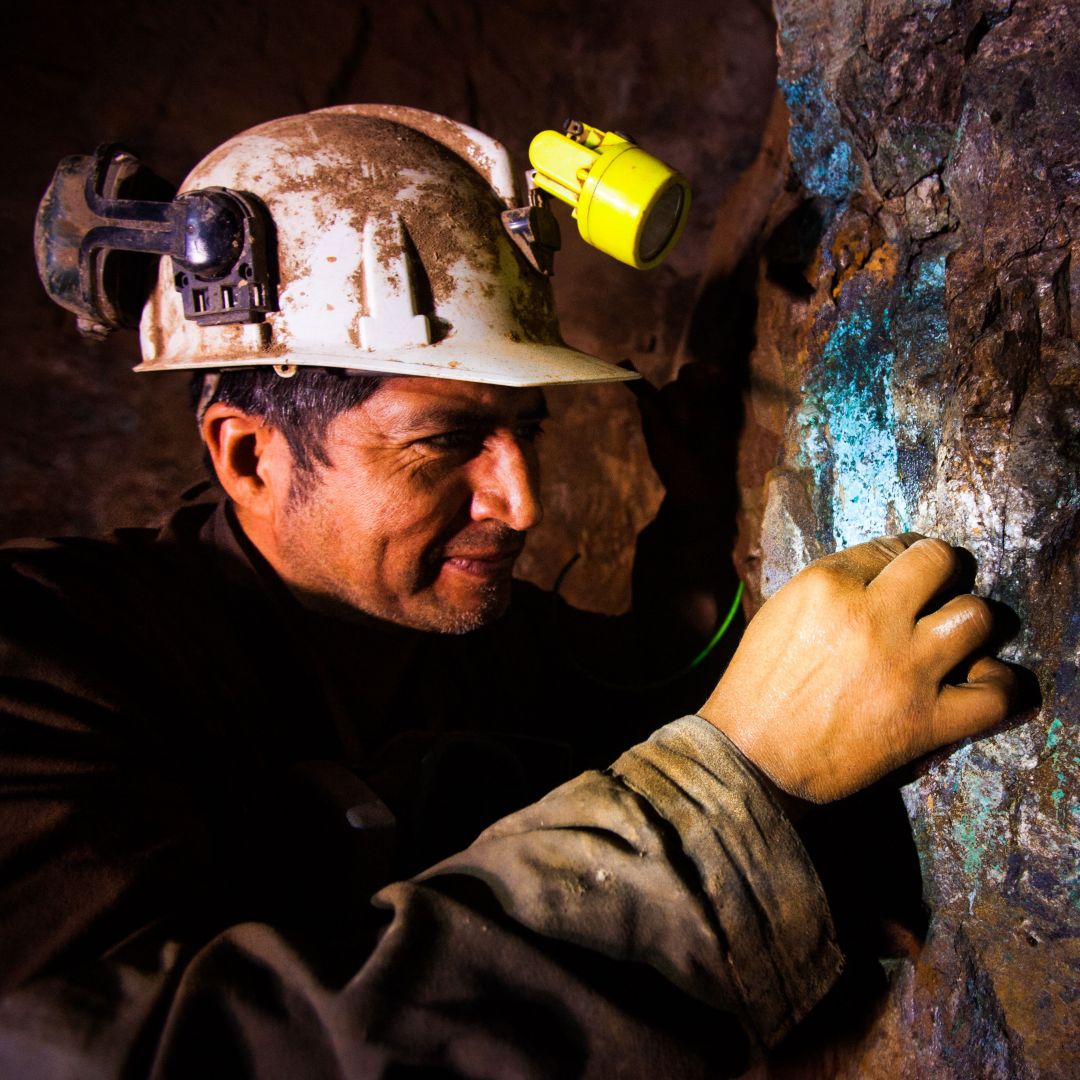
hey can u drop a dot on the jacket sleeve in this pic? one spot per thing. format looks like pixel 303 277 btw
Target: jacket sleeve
pixel 658 918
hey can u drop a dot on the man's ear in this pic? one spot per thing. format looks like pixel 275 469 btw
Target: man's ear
pixel 251 459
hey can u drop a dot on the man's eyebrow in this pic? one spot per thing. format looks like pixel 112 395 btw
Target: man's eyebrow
pixel 467 416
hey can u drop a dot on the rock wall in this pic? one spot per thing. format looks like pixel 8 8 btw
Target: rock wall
pixel 917 282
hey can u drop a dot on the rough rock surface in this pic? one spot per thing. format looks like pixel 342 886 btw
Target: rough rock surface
pixel 918 298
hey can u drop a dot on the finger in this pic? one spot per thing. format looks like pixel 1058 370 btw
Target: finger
pixel 916 576
pixel 954 631
pixel 866 561
pixel 977 705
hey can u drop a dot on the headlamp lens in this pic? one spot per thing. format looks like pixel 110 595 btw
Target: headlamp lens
pixel 662 221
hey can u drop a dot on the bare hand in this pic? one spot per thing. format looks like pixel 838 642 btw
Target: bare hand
pixel 840 677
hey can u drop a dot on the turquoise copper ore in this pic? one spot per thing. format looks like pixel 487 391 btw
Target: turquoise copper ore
pixel 933 384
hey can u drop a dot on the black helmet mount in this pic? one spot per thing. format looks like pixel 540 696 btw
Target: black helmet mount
pixel 105 217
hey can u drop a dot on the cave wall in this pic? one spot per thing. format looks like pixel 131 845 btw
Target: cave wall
pixel 918 292
pixel 86 446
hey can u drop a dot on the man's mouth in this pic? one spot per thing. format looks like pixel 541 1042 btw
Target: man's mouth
pixel 489 564
pixel 487 554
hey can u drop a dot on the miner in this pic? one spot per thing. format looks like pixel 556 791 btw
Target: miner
pixel 319 682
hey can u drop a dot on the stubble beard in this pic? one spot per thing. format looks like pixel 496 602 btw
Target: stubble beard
pixel 494 600
pixel 490 599
pixel 488 602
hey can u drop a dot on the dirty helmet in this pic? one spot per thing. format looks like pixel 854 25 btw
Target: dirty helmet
pixel 391 257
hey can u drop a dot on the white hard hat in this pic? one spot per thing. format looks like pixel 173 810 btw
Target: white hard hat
pixel 391 257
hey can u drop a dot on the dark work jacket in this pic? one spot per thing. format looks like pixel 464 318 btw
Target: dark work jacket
pixel 202 784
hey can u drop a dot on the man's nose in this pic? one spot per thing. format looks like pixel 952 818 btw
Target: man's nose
pixel 506 483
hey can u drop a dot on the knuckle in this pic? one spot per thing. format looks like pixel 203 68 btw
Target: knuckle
pixel 910 538
pixel 819 571
pixel 937 551
pixel 988 669
pixel 821 579
pixel 963 623
pixel 889 546
pixel 997 682
pixel 965 619
pixel 987 706
pixel 978 613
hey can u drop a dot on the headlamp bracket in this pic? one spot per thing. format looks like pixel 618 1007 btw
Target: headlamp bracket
pixel 94 244
pixel 534 228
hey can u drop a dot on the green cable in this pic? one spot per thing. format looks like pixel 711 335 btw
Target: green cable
pixel 719 633
pixel 654 685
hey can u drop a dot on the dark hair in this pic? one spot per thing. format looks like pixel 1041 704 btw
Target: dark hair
pixel 300 406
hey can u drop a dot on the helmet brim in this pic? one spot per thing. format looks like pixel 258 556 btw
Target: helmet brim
pixel 511 364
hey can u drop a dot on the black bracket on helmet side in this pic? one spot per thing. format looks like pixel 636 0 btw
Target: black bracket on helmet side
pixel 104 216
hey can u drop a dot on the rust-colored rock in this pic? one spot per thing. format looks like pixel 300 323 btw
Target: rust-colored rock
pixel 917 368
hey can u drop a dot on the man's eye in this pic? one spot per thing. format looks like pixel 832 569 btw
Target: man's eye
pixel 471 440
pixel 529 431
pixel 463 439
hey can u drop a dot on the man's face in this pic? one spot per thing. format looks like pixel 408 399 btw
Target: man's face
pixel 423 510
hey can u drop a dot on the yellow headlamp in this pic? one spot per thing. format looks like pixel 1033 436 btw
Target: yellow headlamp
pixel 627 203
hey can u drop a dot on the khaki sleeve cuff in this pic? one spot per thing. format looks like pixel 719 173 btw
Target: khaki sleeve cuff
pixel 767 899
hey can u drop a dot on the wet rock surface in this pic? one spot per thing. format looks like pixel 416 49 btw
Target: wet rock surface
pixel 917 368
